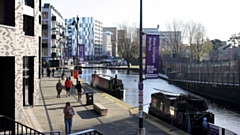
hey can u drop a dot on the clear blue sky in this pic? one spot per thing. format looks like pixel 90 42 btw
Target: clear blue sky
pixel 220 17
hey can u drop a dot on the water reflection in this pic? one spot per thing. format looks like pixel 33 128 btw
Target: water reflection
pixel 223 117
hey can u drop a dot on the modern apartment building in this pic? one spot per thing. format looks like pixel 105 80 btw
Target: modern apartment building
pixel 107 44
pixel 167 38
pixel 20 42
pixel 122 35
pixel 53 34
pixel 89 34
pixel 114 39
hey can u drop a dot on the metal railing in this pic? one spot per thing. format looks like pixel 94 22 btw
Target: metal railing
pixel 88 132
pixel 9 126
pixel 52 133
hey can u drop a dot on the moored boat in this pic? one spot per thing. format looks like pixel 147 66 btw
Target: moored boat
pixel 187 112
pixel 108 84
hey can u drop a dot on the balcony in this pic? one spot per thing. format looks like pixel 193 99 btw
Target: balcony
pixel 54 36
pixel 45 26
pixel 54 18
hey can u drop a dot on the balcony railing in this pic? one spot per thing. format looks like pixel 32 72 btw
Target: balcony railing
pixel 11 127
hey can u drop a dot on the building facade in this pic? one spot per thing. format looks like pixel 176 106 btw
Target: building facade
pixel 107 44
pixel 89 34
pixel 114 39
pixel 20 43
pixel 52 33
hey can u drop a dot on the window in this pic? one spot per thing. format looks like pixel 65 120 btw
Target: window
pixel 7 12
pixel 45 22
pixel 28 25
pixel 2 11
pixel 44 33
pixel 44 51
pixel 172 110
pixel 45 15
pixel 29 3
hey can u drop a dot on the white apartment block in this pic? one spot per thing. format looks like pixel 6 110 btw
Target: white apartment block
pixel 20 45
pixel 52 32
pixel 107 44
pixel 89 34
pixel 114 39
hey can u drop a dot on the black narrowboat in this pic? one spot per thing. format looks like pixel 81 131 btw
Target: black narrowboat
pixel 108 84
pixel 186 112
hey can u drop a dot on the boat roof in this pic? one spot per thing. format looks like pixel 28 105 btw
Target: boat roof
pixel 174 96
pixel 107 77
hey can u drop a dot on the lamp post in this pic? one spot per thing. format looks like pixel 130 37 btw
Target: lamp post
pixel 141 130
pixel 76 26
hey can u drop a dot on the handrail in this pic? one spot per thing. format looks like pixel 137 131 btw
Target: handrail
pixel 86 132
pixel 10 126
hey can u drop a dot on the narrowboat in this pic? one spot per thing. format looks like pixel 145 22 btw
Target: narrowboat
pixel 184 111
pixel 108 84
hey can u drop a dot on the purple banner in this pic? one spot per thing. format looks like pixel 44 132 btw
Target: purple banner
pixel 66 53
pixel 152 57
pixel 81 52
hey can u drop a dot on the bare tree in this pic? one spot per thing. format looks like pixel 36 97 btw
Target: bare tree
pixel 176 34
pixel 128 42
pixel 198 42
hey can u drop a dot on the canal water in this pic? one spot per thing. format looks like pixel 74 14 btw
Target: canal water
pixel 224 117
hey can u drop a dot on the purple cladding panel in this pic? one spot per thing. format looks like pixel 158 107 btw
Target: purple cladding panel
pixel 152 57
pixel 81 53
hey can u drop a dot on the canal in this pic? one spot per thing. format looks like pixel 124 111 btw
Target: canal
pixel 224 117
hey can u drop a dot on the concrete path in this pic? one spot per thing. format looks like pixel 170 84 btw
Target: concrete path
pixel 122 119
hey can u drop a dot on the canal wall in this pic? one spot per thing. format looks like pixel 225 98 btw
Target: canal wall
pixel 228 95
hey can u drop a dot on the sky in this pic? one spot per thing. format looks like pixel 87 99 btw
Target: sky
pixel 220 17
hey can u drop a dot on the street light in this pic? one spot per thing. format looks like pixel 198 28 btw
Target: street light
pixel 76 26
pixel 141 130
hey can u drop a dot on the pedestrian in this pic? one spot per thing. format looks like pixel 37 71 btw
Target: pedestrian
pixel 53 70
pixel 68 115
pixel 48 72
pixel 68 85
pixel 80 90
pixel 59 88
pixel 71 84
pixel 42 71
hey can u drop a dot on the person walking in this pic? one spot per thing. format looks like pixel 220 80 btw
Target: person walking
pixel 48 72
pixel 59 88
pixel 68 117
pixel 68 85
pixel 80 90
pixel 69 78
pixel 53 70
pixel 42 71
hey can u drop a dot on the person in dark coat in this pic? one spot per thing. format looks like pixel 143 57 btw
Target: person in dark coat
pixel 53 70
pixel 59 88
pixel 48 72
pixel 80 90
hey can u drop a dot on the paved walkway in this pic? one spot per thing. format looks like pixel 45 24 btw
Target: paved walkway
pixel 122 119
